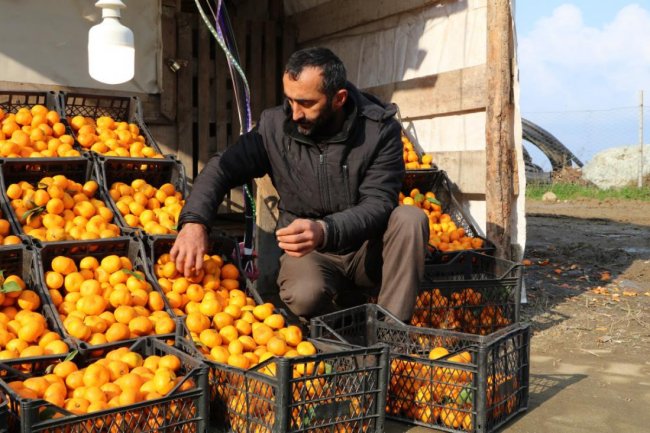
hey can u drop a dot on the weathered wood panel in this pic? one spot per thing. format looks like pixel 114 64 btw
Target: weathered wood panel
pixel 466 168
pixel 499 127
pixel 337 15
pixel 462 90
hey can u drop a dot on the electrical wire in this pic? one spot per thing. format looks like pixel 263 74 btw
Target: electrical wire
pixel 222 32
pixel 244 120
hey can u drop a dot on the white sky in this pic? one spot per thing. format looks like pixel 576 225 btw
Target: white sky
pixel 580 63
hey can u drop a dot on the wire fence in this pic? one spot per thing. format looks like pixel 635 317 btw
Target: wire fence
pixel 586 133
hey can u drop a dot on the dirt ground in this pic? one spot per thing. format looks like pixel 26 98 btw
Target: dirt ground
pixel 588 290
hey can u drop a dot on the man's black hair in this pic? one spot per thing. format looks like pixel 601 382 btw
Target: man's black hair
pixel 334 75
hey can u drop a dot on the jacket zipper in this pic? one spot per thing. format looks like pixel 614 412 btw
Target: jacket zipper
pixel 323 175
pixel 346 181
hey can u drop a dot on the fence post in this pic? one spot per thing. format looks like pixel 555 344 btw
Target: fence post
pixel 640 180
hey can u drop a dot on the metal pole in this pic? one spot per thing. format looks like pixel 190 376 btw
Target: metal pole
pixel 640 180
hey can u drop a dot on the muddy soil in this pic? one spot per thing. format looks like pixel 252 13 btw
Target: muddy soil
pixel 588 290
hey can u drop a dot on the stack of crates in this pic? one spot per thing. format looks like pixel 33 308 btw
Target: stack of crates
pixel 36 245
pixel 461 363
pixel 32 137
pixel 442 379
pixel 157 177
pixel 341 388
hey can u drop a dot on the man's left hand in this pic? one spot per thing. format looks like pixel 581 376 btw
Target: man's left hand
pixel 300 237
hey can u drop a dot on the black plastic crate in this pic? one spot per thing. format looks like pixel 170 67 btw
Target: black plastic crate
pixel 120 108
pixel 417 177
pixel 340 388
pixel 178 411
pixel 22 260
pixel 226 247
pixel 472 383
pixel 155 171
pixel 11 101
pixel 32 170
pixel 4 414
pixel 437 182
pixel 7 214
pixel 472 292
pixel 127 246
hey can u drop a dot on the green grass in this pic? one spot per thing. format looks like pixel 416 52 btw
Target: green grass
pixel 569 191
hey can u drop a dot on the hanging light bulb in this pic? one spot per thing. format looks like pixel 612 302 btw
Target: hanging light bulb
pixel 111 55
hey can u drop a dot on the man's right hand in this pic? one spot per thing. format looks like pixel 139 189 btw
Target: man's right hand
pixel 189 248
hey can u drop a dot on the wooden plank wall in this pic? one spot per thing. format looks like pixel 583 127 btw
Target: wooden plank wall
pixel 206 113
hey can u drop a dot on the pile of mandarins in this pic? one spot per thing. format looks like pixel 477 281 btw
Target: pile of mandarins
pixel 108 137
pixel 123 377
pixel 411 159
pixel 155 210
pixel 105 301
pixel 58 208
pixel 34 132
pixel 226 324
pixel 444 235
pixel 24 330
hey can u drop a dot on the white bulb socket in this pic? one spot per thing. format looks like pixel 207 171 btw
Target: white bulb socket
pixel 111 52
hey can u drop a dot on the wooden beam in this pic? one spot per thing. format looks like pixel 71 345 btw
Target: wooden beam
pixel 288 43
pixel 466 168
pixel 204 97
pixel 240 26
pixel 337 15
pixel 254 74
pixel 221 98
pixel 501 173
pixel 456 91
pixel 184 110
pixel 168 78
pixel 270 65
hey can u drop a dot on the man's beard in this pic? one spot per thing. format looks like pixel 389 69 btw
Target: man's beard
pixel 318 126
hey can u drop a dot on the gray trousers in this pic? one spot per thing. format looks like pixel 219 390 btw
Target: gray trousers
pixel 392 265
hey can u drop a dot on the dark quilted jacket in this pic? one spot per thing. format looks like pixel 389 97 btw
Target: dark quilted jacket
pixel 351 180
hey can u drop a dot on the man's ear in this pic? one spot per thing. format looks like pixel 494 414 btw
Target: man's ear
pixel 339 99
